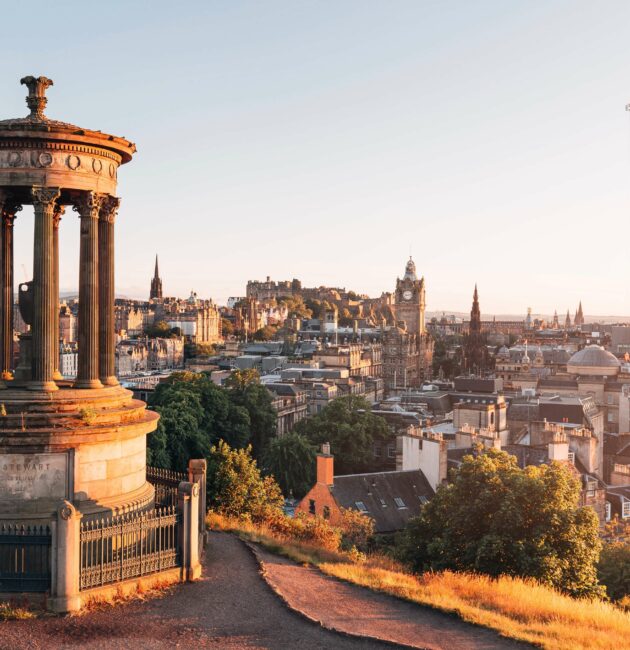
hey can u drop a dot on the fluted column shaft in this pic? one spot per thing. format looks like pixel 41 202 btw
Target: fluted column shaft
pixel 58 213
pixel 107 341
pixel 44 301
pixel 88 206
pixel 8 211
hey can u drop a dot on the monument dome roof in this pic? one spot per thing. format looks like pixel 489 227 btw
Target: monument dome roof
pixel 594 358
pixel 39 127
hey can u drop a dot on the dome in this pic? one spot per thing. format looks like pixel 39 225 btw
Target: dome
pixel 594 360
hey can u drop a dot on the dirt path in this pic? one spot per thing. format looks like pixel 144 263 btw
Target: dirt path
pixel 341 606
pixel 230 608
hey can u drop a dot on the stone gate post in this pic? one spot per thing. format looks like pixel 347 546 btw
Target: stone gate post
pixel 188 529
pixel 66 552
pixel 197 469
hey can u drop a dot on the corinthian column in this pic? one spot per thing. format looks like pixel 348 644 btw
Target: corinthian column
pixel 7 212
pixel 107 341
pixel 88 206
pixel 44 301
pixel 58 213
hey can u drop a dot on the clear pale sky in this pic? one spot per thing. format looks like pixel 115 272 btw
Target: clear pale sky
pixel 324 140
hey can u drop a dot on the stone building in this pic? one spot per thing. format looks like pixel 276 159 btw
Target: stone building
pixel 148 355
pixel 389 498
pixel 67 324
pixel 407 347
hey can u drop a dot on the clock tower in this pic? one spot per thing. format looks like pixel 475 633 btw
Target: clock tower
pixel 409 300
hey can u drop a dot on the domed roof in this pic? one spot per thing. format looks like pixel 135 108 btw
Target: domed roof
pixel 593 358
pixel 37 127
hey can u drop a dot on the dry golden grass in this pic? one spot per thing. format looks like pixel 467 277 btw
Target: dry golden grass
pixel 9 612
pixel 519 609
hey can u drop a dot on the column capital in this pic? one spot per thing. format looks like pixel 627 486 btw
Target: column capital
pixel 88 204
pixel 59 211
pixel 44 196
pixel 109 208
pixel 9 210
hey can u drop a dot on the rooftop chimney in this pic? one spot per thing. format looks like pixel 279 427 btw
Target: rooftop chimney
pixel 325 465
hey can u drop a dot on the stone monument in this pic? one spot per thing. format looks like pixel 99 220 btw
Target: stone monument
pixel 83 441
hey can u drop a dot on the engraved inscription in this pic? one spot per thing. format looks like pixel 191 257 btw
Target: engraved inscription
pixel 33 476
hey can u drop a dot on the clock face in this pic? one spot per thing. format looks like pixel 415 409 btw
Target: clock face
pixel 407 295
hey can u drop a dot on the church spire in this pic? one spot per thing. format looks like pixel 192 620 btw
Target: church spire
pixel 156 283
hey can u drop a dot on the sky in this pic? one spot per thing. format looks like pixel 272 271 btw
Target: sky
pixel 328 140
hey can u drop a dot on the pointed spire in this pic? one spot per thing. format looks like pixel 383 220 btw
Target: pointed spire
pixel 157 273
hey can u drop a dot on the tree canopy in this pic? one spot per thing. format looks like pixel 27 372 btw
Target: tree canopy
pixel 235 486
pixel 162 330
pixel 351 428
pixel 290 459
pixel 496 518
pixel 195 414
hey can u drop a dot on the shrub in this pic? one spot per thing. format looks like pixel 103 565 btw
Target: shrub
pixel 357 530
pixel 236 488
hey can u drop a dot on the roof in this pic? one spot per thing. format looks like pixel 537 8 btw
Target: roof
pixel 593 356
pixel 378 492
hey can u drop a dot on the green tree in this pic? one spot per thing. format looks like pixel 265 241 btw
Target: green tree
pixel 179 434
pixel 246 391
pixel 613 569
pixel 194 414
pixel 351 428
pixel 290 459
pixel 227 327
pixel 265 333
pixel 236 488
pixel 161 329
pixel 496 518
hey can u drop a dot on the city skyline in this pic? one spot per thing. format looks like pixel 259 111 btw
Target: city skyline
pixel 272 144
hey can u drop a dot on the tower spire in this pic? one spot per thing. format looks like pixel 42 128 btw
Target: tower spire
pixel 156 283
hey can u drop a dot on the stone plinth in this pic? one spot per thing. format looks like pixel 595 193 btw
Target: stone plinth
pixel 86 446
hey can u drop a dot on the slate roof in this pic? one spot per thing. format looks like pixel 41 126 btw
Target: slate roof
pixel 378 491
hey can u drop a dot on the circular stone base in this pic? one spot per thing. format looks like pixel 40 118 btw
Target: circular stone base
pixel 84 445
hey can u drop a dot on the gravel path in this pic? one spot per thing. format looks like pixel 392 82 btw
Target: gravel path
pixel 351 609
pixel 231 607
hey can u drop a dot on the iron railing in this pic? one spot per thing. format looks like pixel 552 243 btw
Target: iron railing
pixel 128 546
pixel 165 482
pixel 24 558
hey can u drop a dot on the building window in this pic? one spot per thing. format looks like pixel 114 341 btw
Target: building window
pixel 590 488
pixel 610 399
pixel 360 506
pixel 311 506
pixel 625 509
pixel 377 451
pixel 326 512
pixel 391 451
pixel 608 511
pixel 423 499
pixel 383 503
pixel 400 504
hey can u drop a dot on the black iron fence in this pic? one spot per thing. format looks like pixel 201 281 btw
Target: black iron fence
pixel 165 482
pixel 24 558
pixel 128 546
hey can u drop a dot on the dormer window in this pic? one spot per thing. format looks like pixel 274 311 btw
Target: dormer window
pixel 400 504
pixel 360 506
